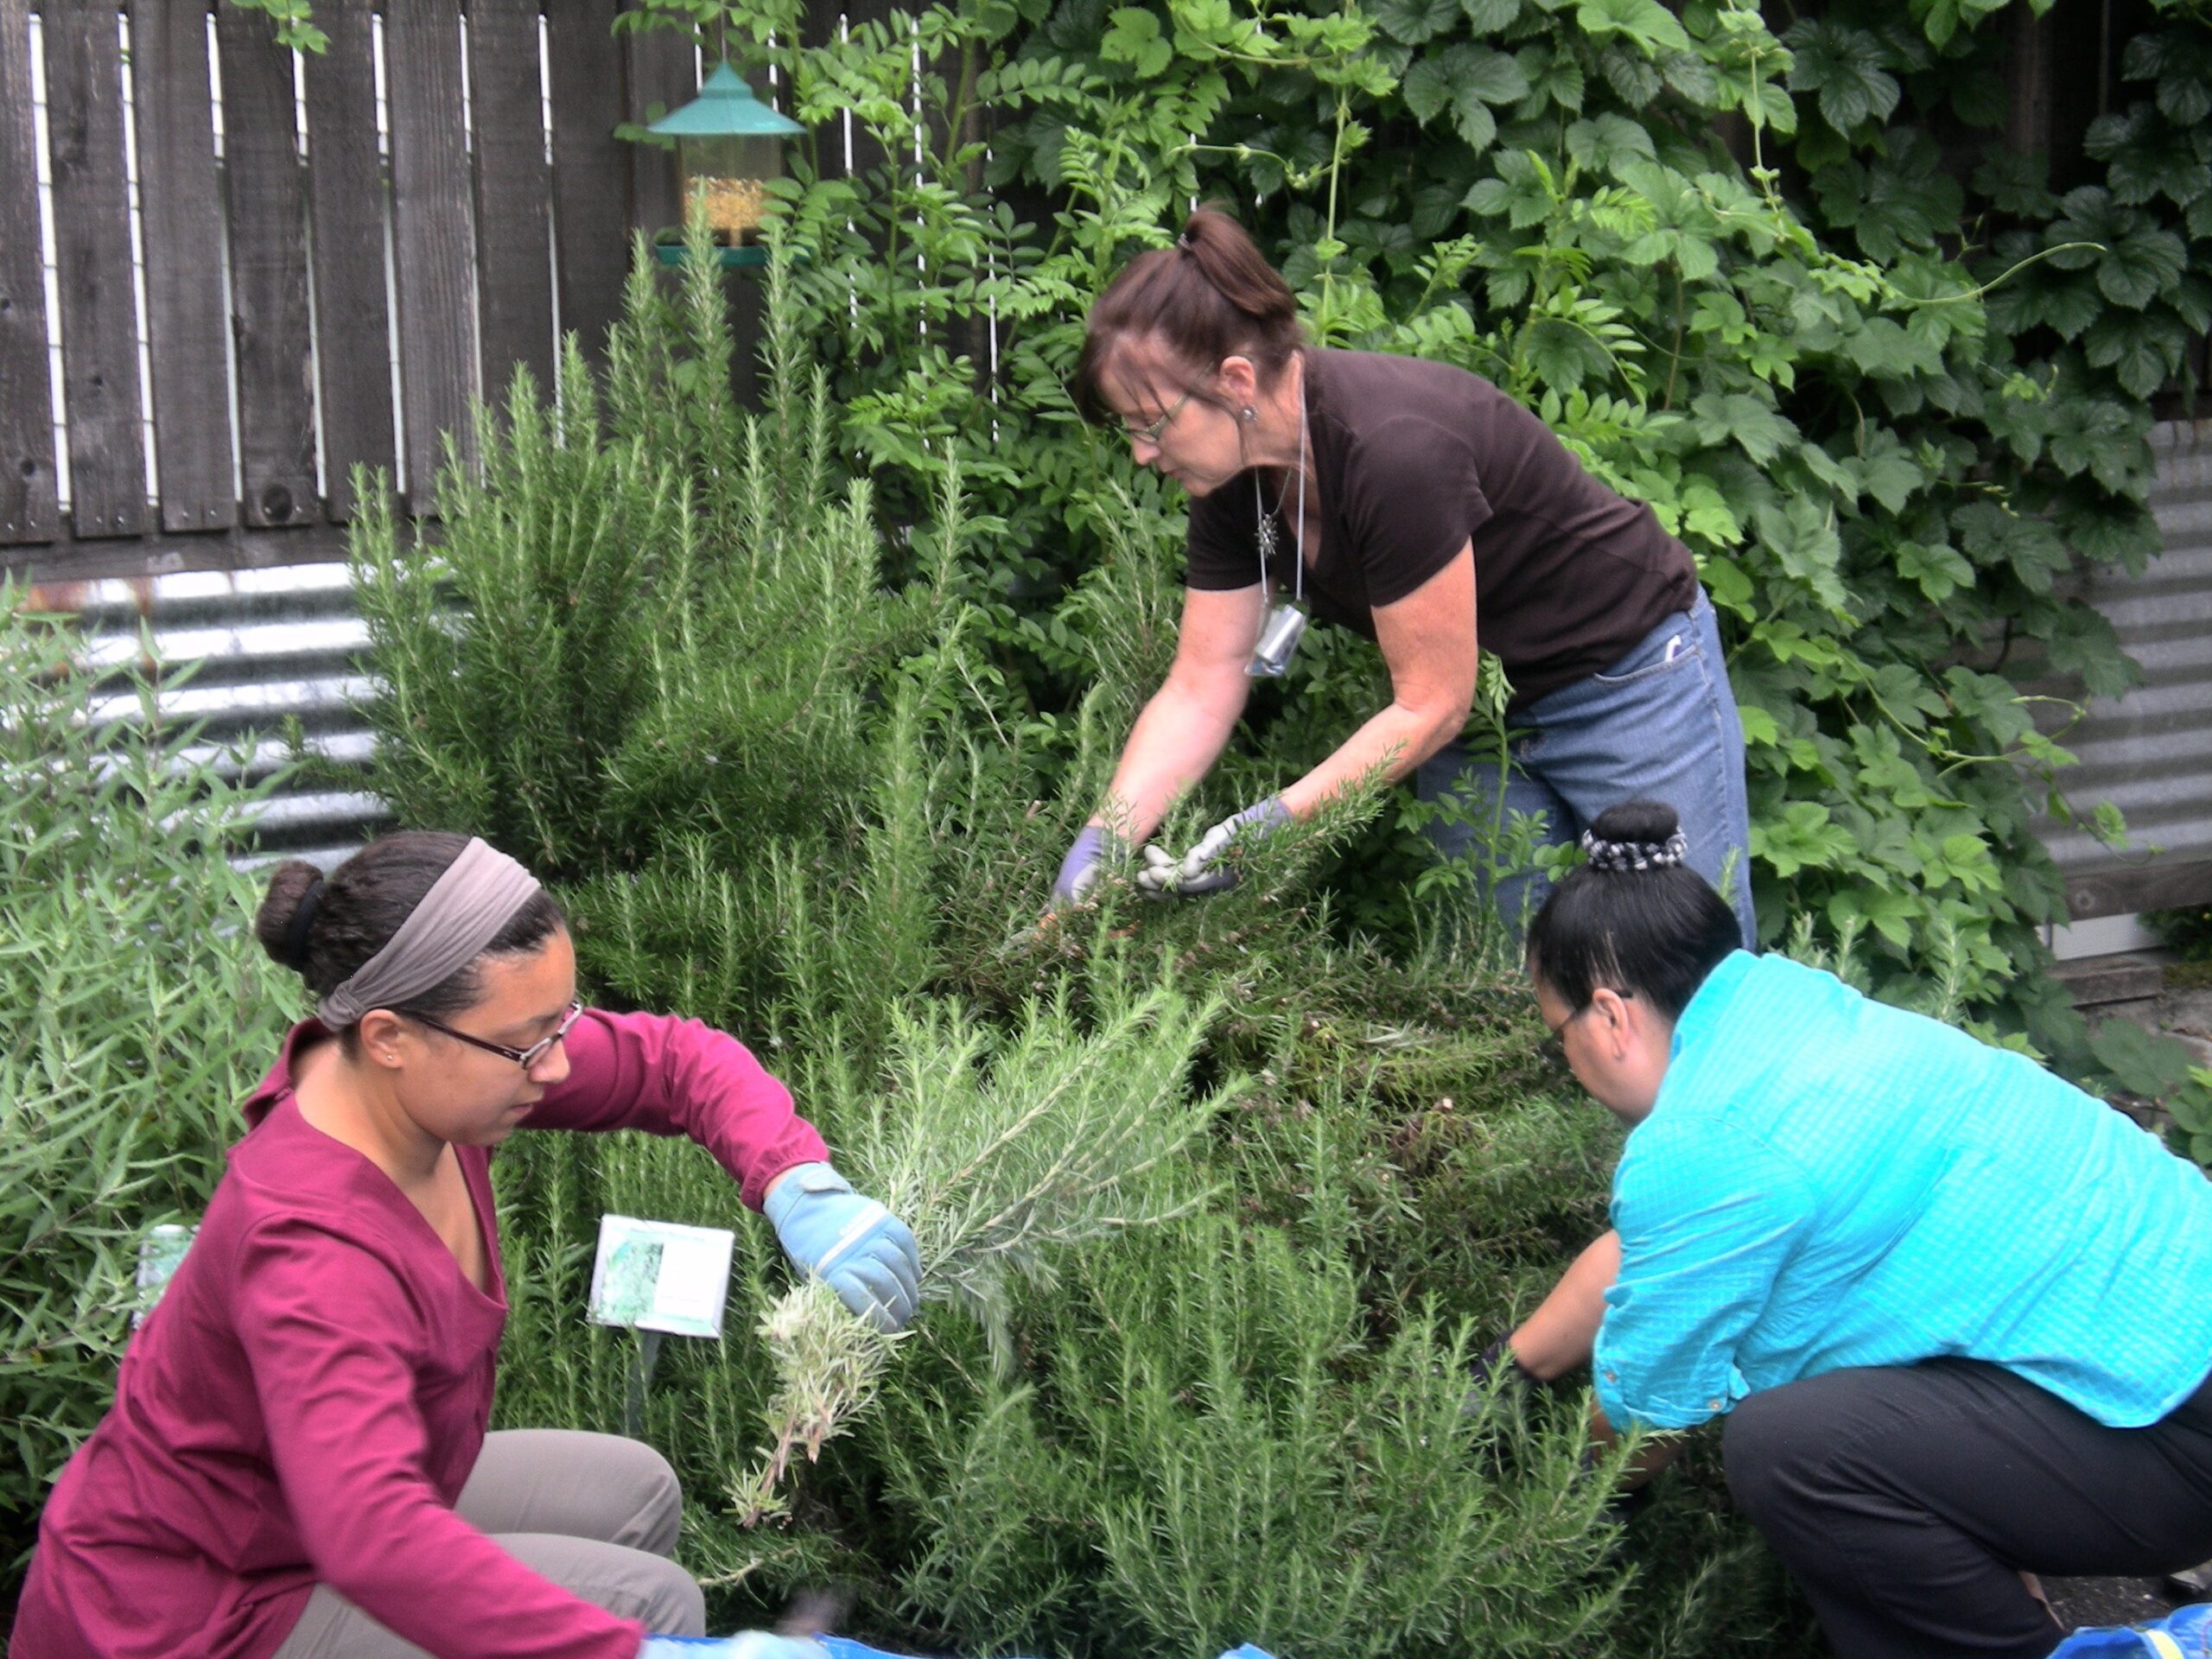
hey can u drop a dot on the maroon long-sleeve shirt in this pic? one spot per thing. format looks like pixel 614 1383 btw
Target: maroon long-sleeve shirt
pixel 307 1400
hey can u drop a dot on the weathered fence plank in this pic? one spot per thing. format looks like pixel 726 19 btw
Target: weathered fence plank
pixel 431 235
pixel 91 237
pixel 269 274
pixel 181 203
pixel 346 198
pixel 29 509
pixel 663 74
pixel 591 181
pixel 514 268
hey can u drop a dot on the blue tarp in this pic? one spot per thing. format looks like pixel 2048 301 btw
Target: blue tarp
pixel 2183 1634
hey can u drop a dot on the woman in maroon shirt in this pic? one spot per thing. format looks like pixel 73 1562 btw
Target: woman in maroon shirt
pixel 1417 504
pixel 296 1463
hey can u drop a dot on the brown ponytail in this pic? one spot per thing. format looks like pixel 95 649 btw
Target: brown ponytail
pixel 1208 296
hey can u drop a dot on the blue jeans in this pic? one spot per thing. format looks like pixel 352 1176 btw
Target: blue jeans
pixel 1659 725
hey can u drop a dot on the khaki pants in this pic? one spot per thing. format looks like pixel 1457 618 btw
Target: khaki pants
pixel 597 1514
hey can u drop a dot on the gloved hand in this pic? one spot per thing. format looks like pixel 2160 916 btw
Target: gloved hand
pixel 1086 861
pixel 746 1645
pixel 1499 1360
pixel 853 1245
pixel 1200 870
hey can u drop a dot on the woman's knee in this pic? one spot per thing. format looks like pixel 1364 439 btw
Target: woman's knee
pixel 668 1600
pixel 657 1496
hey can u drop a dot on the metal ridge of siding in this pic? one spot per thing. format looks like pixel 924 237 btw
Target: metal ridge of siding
pixel 2150 752
pixel 269 645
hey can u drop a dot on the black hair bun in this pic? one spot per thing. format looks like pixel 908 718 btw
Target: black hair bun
pixel 287 914
pixel 1635 835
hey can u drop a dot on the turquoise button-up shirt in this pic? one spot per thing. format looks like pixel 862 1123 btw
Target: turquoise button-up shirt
pixel 1826 1181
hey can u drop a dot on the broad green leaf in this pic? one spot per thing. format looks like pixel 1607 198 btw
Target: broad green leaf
pixel 2141 1062
pixel 1802 837
pixel 2146 157
pixel 1413 21
pixel 1555 74
pixel 1893 912
pixel 1426 89
pixel 1646 22
pixel 2136 267
pixel 1844 67
pixel 1886 472
pixel 1133 37
pixel 1801 536
pixel 1491 16
pixel 1493 77
pixel 1939 570
pixel 1472 119
pixel 1607 141
pixel 1748 421
pixel 1635 79
pixel 2018 184
pixel 2143 349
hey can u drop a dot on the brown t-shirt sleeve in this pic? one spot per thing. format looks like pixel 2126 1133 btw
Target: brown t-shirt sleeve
pixel 1412 500
pixel 1221 549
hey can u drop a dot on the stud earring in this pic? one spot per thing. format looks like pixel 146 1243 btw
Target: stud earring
pixel 1249 413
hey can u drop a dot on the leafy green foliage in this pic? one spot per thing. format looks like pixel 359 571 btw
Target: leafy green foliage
pixel 120 958
pixel 1889 413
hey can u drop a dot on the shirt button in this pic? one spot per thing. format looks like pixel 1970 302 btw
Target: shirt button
pixel 1610 1377
pixel 1712 1405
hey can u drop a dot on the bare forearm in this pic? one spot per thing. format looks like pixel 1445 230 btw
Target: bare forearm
pixel 1175 743
pixel 1396 740
pixel 1561 1335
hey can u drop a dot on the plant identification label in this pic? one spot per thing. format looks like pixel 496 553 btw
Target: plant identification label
pixel 657 1275
pixel 161 1253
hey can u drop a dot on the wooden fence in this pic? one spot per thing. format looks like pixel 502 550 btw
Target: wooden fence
pixel 267 268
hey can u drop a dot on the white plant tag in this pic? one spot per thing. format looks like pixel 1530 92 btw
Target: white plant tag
pixel 657 1275
pixel 161 1253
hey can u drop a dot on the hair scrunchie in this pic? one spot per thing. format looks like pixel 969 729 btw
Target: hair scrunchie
pixel 296 931
pixel 1635 855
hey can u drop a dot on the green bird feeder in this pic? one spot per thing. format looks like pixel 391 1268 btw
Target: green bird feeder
pixel 728 146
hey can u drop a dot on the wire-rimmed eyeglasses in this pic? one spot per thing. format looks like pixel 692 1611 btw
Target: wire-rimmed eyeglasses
pixel 525 1058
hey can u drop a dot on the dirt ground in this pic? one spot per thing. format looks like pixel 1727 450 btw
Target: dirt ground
pixel 2109 1601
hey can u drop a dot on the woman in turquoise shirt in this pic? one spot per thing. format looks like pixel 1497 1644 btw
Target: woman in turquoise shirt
pixel 1957 1313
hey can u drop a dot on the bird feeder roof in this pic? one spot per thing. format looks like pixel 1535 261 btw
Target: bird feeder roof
pixel 724 108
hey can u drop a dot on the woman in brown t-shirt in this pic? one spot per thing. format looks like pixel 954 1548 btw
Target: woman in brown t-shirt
pixel 1434 515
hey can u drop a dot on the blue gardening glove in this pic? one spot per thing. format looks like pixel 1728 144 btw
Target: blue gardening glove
pixel 746 1645
pixel 853 1245
pixel 1085 862
pixel 1201 870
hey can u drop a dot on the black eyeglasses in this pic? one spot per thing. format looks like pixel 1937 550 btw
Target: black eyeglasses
pixel 525 1058
pixel 1151 430
pixel 1558 1032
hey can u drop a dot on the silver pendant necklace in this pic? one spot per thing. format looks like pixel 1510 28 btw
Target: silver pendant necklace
pixel 1286 623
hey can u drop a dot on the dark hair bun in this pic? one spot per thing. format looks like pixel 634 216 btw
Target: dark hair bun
pixel 1635 835
pixel 1637 821
pixel 279 924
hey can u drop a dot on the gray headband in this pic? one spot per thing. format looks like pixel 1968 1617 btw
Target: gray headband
pixel 462 913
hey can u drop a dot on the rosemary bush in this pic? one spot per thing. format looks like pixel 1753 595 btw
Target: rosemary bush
pixel 1215 1198
pixel 131 1021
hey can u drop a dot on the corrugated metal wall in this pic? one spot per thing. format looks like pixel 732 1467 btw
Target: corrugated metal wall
pixel 273 645
pixel 2150 752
